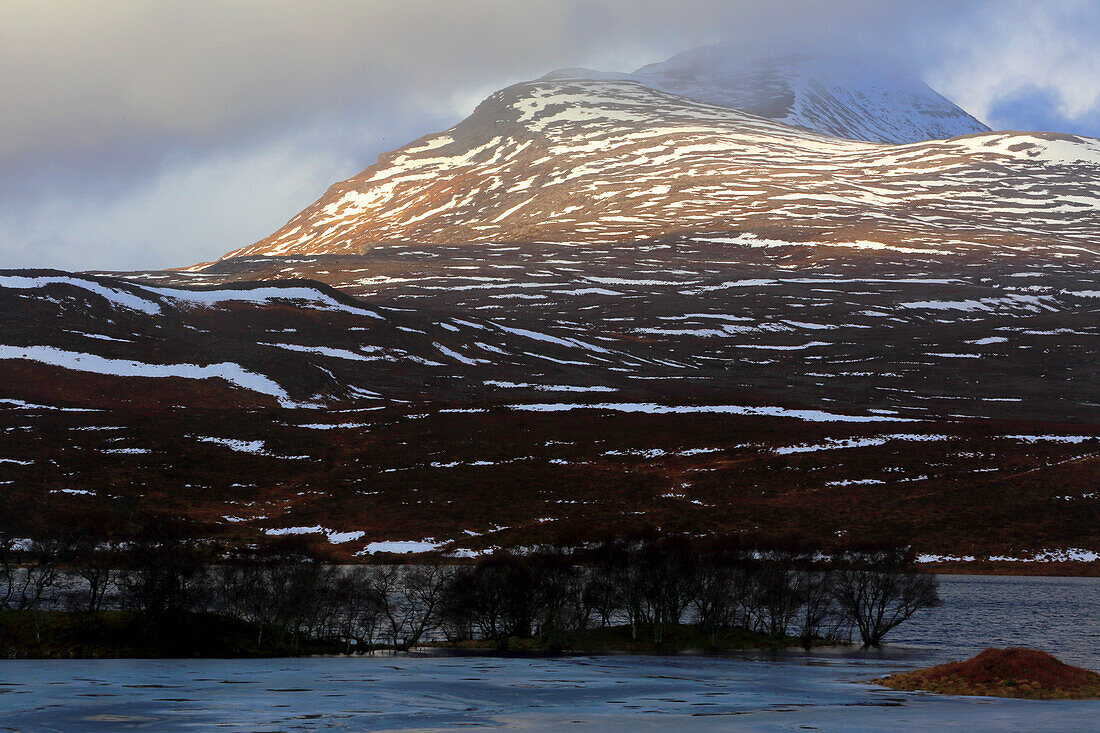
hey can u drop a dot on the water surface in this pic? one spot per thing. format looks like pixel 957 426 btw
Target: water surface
pixel 754 691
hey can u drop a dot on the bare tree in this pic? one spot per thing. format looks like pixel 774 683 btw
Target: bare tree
pixel 603 589
pixel 164 566
pixel 36 573
pixel 602 594
pixel 97 566
pixel 298 589
pixel 409 598
pixel 664 569
pixel 880 590
pixel 558 599
pixel 778 597
pixel 815 590
pixel 357 611
pixel 368 621
pixel 423 591
pixel 9 564
pixel 234 589
pixel 715 597
pixel 498 594
pixel 455 614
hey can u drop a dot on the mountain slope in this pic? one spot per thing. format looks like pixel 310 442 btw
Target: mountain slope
pixel 460 407
pixel 601 161
pixel 860 99
pixel 590 305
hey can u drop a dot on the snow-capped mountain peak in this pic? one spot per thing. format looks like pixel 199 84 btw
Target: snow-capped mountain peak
pixel 598 161
pixel 864 98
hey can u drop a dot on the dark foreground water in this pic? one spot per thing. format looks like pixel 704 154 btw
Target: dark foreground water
pixel 748 692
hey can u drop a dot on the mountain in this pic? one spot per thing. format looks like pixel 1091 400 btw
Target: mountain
pixel 594 305
pixel 596 161
pixel 865 98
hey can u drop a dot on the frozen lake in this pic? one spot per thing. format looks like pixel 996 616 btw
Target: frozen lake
pixel 751 692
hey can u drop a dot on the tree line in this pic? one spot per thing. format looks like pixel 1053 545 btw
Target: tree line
pixel 648 582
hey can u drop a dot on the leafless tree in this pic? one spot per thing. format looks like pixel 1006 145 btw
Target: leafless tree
pixel 410 597
pixel 498 597
pixel 715 597
pixel 357 611
pixel 95 564
pixel 558 601
pixel 778 598
pixel 815 591
pixel 603 587
pixel 880 590
pixel 665 570
pixel 9 564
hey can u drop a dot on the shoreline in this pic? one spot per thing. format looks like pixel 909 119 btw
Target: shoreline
pixel 62 635
pixel 135 635
pixel 1020 568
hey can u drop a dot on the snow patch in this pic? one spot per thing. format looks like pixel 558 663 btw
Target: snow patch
pixel 230 372
pixel 655 409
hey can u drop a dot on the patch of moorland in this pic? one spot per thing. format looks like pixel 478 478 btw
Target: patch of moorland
pixel 1011 672
pixel 505 478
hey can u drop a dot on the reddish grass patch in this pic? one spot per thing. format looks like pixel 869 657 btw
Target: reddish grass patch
pixel 1011 672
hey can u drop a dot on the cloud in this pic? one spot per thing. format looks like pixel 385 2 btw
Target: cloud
pixel 193 209
pixel 161 132
pixel 1017 61
pixel 83 76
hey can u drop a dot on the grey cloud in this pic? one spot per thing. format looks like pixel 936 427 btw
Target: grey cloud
pixel 82 77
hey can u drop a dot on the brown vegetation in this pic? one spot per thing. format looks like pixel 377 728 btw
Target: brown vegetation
pixel 501 473
pixel 448 458
pixel 1011 672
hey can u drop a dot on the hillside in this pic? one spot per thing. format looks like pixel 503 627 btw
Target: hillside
pixel 594 305
pixel 588 162
pixel 438 410
pixel 861 97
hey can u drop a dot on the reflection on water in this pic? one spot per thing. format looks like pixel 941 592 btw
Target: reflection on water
pixel 751 691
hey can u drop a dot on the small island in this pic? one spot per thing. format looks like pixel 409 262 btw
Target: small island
pixel 1011 672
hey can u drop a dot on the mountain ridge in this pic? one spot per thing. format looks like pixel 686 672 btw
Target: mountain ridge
pixel 589 161
pixel 864 98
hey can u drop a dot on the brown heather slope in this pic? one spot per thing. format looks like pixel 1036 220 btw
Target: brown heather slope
pixel 1011 672
pixel 475 478
pixel 704 389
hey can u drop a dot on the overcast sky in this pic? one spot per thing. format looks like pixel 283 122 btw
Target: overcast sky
pixel 162 133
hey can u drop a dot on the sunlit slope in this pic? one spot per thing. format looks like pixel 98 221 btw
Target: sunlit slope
pixel 605 161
